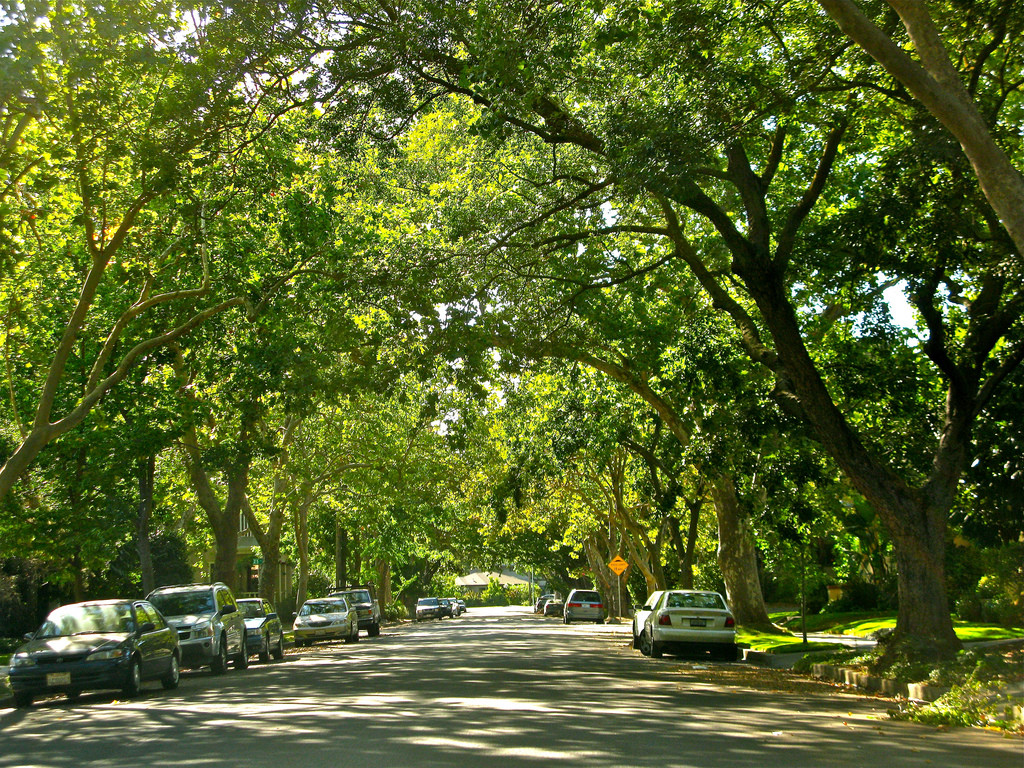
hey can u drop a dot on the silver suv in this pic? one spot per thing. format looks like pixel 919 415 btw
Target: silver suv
pixel 210 627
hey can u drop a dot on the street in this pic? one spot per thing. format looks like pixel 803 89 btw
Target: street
pixel 496 687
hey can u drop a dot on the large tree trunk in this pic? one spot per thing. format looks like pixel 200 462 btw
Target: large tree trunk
pixel 737 557
pixel 147 473
pixel 301 523
pixel 383 583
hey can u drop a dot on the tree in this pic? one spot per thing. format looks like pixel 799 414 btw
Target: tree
pixel 717 133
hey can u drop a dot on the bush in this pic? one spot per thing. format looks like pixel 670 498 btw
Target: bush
pixel 997 596
pixel 494 594
pixel 394 611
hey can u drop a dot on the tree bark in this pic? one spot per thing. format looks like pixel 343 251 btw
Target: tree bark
pixel 737 557
pixel 146 477
pixel 340 554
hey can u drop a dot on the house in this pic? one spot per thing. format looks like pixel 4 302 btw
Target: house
pixel 476 581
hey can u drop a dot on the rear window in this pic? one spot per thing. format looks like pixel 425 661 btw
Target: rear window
pixel 694 600
pixel 586 597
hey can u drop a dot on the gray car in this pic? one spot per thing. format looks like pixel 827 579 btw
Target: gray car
pixel 211 629
pixel 583 605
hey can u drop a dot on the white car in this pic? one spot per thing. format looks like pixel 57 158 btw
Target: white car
pixel 326 618
pixel 685 619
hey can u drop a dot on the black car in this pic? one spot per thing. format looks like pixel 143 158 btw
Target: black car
pixel 263 632
pixel 96 645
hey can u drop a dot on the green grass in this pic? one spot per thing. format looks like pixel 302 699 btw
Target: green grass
pixel 863 624
pixel 771 643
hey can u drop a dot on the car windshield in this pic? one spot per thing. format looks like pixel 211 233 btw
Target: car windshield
pixel 251 609
pixel 322 606
pixel 694 600
pixel 184 603
pixel 588 597
pixel 360 595
pixel 427 602
pixel 88 619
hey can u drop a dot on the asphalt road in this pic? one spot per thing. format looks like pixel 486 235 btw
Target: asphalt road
pixel 492 688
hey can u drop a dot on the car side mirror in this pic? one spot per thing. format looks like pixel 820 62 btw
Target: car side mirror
pixel 29 635
pixel 227 609
pixel 147 626
pixel 271 615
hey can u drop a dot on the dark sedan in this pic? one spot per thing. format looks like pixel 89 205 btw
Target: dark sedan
pixel 96 645
pixel 263 632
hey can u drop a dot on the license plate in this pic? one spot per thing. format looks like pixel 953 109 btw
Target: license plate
pixel 698 622
pixel 54 679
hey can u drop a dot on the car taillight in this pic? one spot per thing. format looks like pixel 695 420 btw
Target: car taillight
pixel 575 605
pixel 665 620
pixel 598 605
pixel 730 621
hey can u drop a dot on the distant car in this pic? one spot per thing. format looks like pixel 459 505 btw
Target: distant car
pixel 366 606
pixel 457 606
pixel 462 605
pixel 264 634
pixel 96 645
pixel 210 627
pixel 685 620
pixel 428 608
pixel 553 608
pixel 447 609
pixel 538 607
pixel 327 618
pixel 583 605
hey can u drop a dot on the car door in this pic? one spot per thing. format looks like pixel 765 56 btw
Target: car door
pixel 234 624
pixel 643 613
pixel 156 640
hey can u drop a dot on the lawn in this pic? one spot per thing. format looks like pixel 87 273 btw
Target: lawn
pixel 864 624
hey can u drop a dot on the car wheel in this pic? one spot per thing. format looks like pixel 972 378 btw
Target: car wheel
pixel 242 659
pixel 22 699
pixel 657 649
pixel 373 631
pixel 133 683
pixel 353 637
pixel 219 663
pixel 278 651
pixel 599 621
pixel 727 653
pixel 265 649
pixel 74 695
pixel 565 619
pixel 170 680
pixel 636 640
pixel 645 643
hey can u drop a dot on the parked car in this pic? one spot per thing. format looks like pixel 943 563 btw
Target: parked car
pixel 211 629
pixel 93 646
pixel 428 608
pixel 462 605
pixel 326 618
pixel 446 607
pixel 264 634
pixel 685 619
pixel 583 605
pixel 456 606
pixel 538 607
pixel 366 606
pixel 554 607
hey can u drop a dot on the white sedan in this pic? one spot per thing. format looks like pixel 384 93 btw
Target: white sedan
pixel 685 619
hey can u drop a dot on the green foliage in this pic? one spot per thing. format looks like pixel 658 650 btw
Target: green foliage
pixel 971 704
pixel 494 594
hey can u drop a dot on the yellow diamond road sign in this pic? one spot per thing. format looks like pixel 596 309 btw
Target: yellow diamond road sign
pixel 618 565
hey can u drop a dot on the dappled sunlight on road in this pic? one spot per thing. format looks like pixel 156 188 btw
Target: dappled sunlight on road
pixel 476 691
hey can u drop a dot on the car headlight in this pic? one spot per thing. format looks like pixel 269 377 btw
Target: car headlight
pixel 22 660
pixel 204 627
pixel 110 653
pixel 253 631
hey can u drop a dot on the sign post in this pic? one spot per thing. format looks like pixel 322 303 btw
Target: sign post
pixel 618 566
